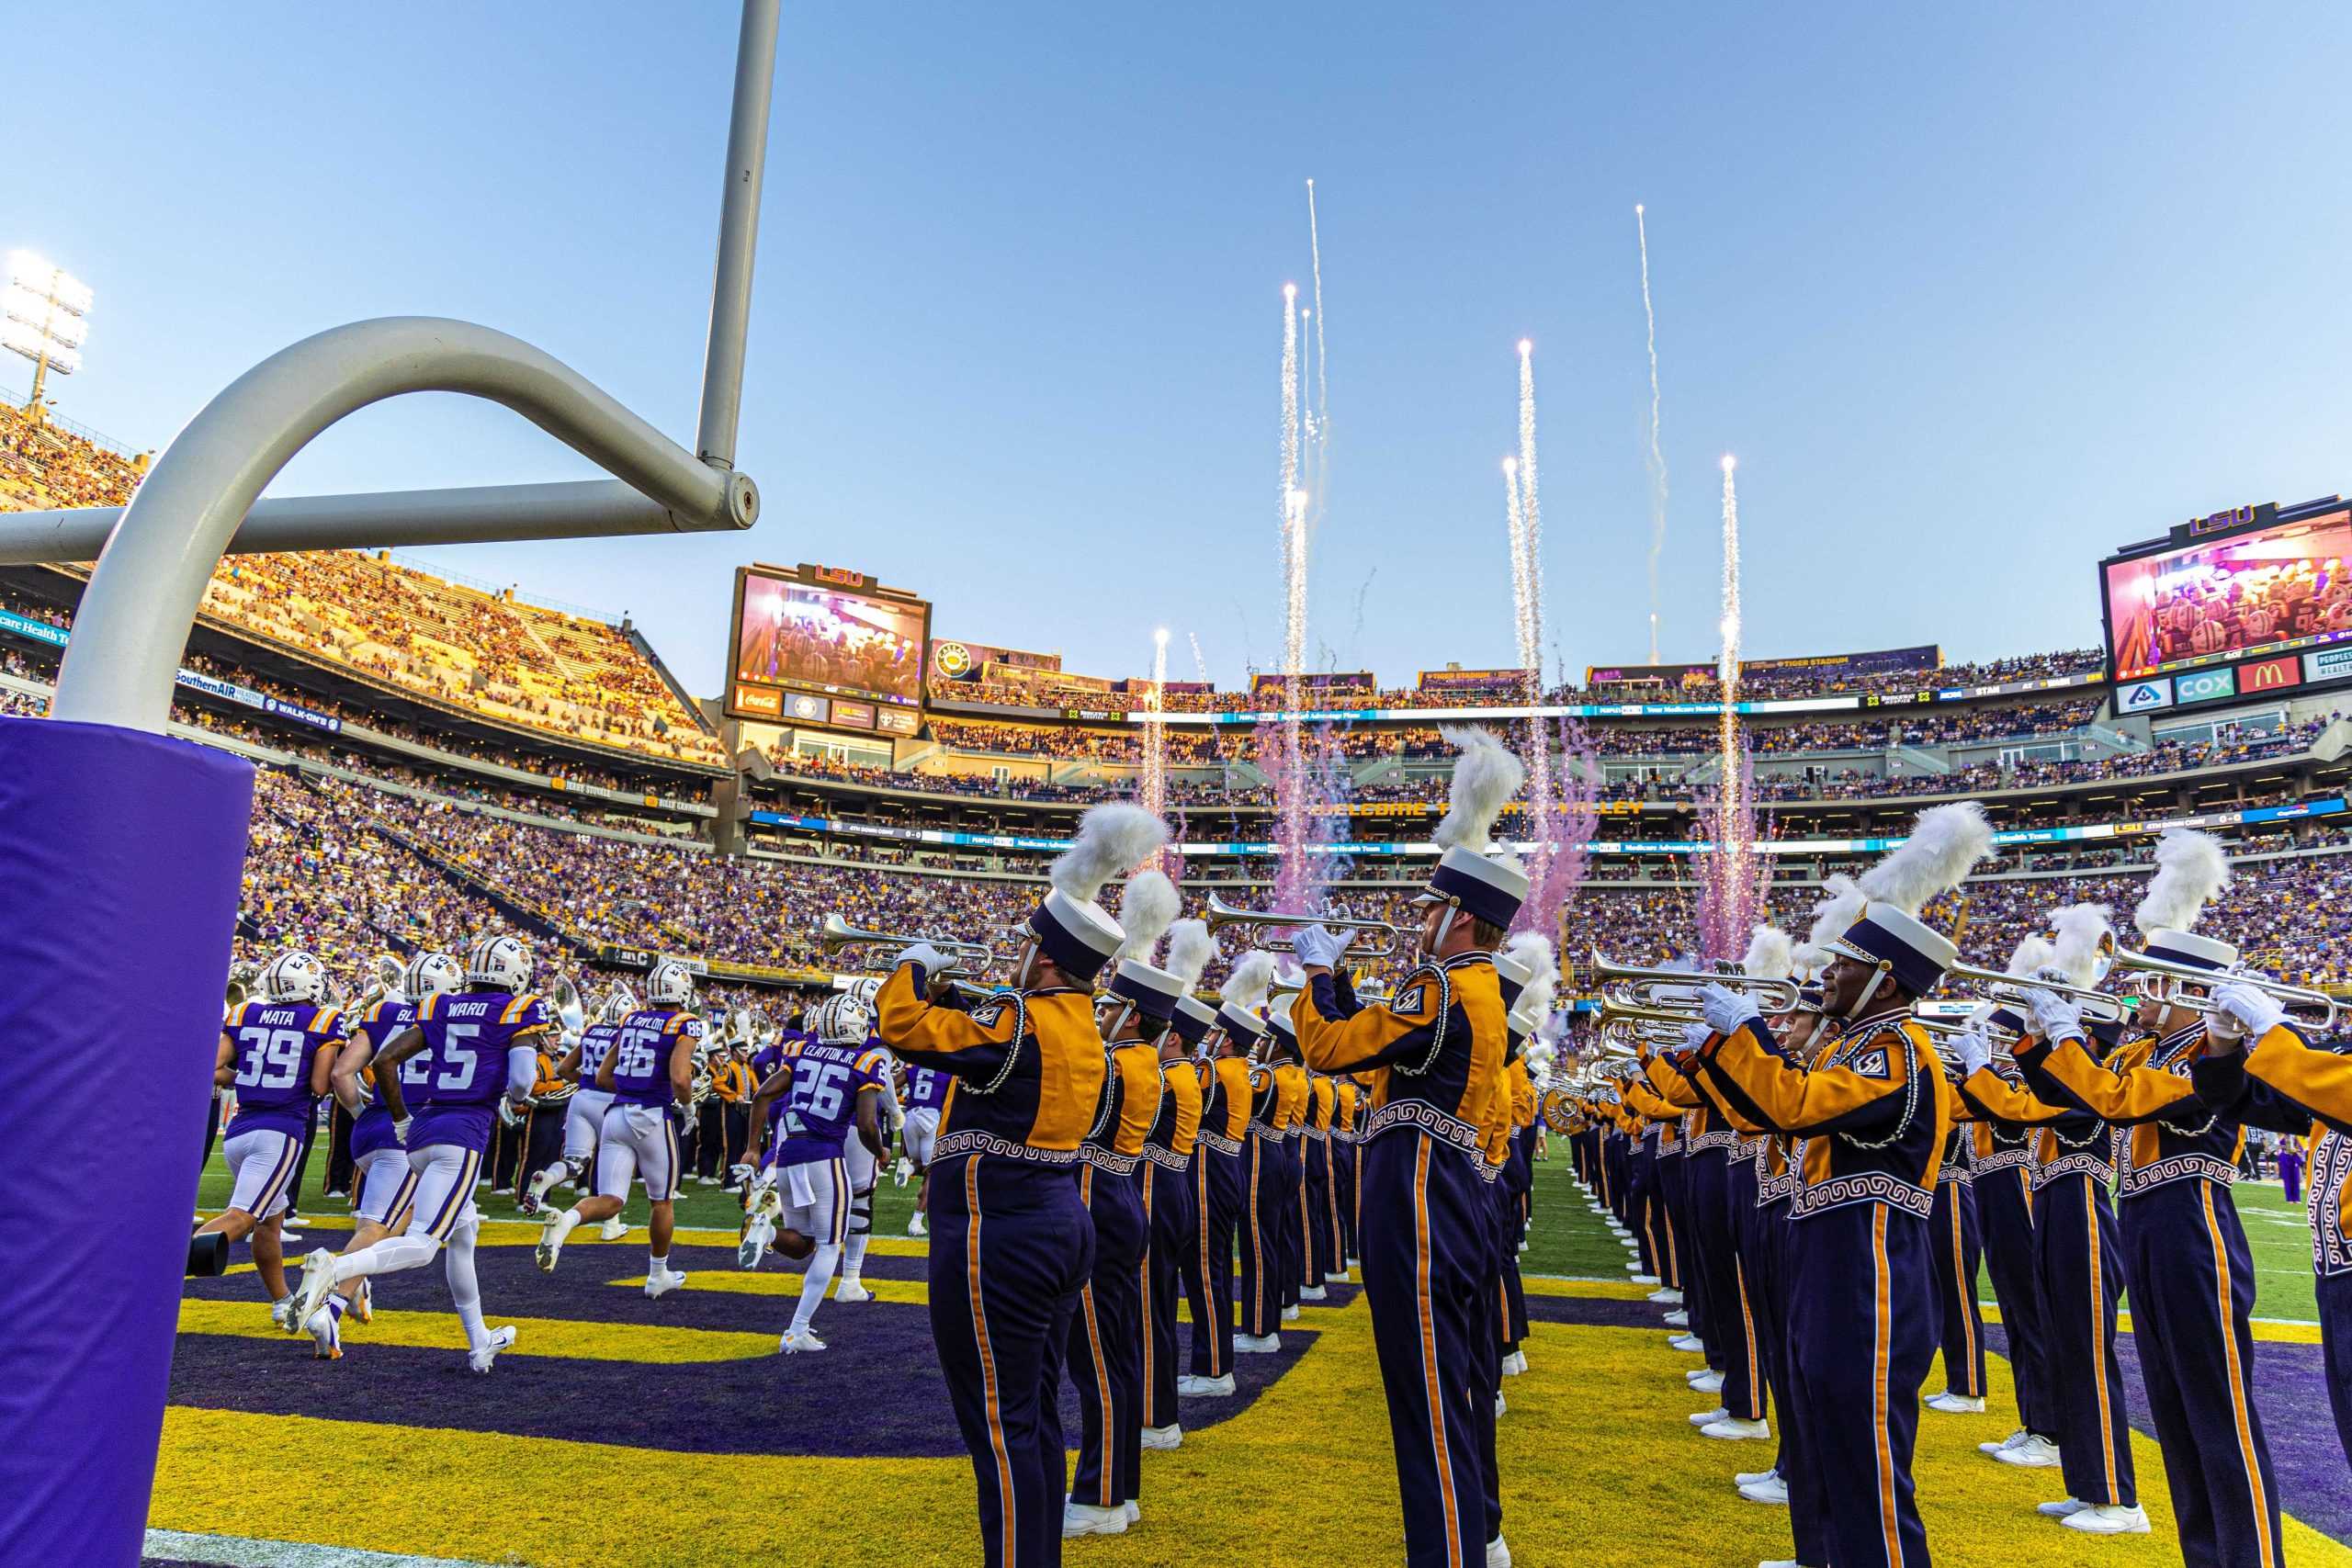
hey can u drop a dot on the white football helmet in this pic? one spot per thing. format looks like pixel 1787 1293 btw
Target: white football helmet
pixel 840 1020
pixel 294 976
pixel 670 986
pixel 499 961
pixel 428 974
pixel 619 1002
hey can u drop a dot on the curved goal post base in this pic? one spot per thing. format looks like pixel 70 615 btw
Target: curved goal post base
pixel 120 856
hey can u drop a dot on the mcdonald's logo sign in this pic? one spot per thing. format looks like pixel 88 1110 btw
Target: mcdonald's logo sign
pixel 2269 675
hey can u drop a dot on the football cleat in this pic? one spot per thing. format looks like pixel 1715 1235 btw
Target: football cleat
pixel 793 1344
pixel 552 1230
pixel 851 1290
pixel 661 1284
pixel 754 1246
pixel 326 1337
pixel 613 1229
pixel 482 1357
pixel 280 1309
pixel 362 1302
pixel 318 1280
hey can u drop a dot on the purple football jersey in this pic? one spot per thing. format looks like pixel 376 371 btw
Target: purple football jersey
pixel 453 1085
pixel 271 1047
pixel 822 1108
pixel 641 1053
pixel 372 1129
pixel 596 1045
pixel 926 1088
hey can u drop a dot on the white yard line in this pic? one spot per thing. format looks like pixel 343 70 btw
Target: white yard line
pixel 240 1552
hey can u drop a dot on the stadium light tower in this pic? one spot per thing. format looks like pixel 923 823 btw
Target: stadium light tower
pixel 130 843
pixel 44 315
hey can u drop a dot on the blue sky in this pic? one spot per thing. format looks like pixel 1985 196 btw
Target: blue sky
pixel 1974 294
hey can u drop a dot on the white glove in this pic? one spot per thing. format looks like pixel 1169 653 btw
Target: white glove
pixel 1318 947
pixel 934 962
pixel 2254 1010
pixel 738 1173
pixel 1973 1050
pixel 1726 1009
pixel 2055 1017
pixel 1696 1034
pixel 510 1112
pixel 401 1127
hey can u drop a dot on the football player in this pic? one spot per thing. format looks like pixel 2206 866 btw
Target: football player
pixel 824 1086
pixel 863 1167
pixel 277 1052
pixel 584 1114
pixel 649 1073
pixel 926 1092
pixel 470 1054
pixel 382 1177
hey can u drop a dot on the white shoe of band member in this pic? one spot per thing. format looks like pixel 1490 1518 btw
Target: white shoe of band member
pixel 614 1229
pixel 1290 1315
pixel 2037 1452
pixel 1499 1554
pixel 1708 1417
pixel 1310 1293
pixel 1689 1344
pixel 1772 1493
pixel 1678 1319
pixel 1085 1518
pixel 2107 1519
pixel 1712 1383
pixel 1953 1404
pixel 1754 1477
pixel 1779 1562
pixel 318 1283
pixel 1501 1405
pixel 1731 1430
pixel 1257 1344
pixel 793 1344
pixel 851 1290
pixel 1168 1436
pixel 1515 1363
pixel 1662 1296
pixel 1339 1279
pixel 2061 1509
pixel 661 1284
pixel 1134 1512
pixel 484 1355
pixel 1206 1388
pixel 2012 1440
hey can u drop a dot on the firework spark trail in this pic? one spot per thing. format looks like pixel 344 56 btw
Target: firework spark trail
pixel 1531 510
pixel 1515 518
pixel 1729 902
pixel 1562 836
pixel 1154 737
pixel 1657 456
pixel 1322 467
pixel 1525 518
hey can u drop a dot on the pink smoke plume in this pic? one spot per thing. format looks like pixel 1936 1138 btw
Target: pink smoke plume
pixel 1560 818
pixel 1308 772
pixel 1730 901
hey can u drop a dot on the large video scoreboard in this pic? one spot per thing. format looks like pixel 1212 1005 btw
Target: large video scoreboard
pixel 821 645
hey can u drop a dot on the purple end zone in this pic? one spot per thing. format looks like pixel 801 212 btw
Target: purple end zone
pixel 120 859
pixel 876 1391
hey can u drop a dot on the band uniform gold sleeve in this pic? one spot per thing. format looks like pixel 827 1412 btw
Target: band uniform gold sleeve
pixel 1067 1075
pixel 1233 1073
pixel 2320 1081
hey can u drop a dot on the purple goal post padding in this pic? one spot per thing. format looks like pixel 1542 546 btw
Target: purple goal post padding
pixel 120 855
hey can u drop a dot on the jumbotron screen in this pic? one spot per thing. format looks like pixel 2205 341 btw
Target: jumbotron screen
pixel 822 645
pixel 2282 587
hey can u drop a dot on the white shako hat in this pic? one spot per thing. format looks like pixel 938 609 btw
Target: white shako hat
pixel 1944 842
pixel 1485 886
pixel 1278 1022
pixel 2191 870
pixel 1244 994
pixel 1190 948
pixel 1073 929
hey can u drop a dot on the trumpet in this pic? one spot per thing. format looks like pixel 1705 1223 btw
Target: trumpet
pixel 2169 982
pixel 2009 990
pixel 838 933
pixel 1222 914
pixel 1626 985
pixel 1941 1032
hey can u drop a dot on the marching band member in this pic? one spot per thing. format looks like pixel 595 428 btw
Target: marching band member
pixel 1347 1100
pixel 2184 1247
pixel 1291 1096
pixel 475 1055
pixel 1107 1333
pixel 1873 1109
pixel 1658 1122
pixel 1007 1223
pixel 278 1051
pixel 1172 1219
pixel 1323 1265
pixel 1262 1214
pixel 1220 1191
pixel 1436 1055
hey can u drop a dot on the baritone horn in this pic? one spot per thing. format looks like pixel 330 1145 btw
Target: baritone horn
pixel 1222 914
pixel 838 933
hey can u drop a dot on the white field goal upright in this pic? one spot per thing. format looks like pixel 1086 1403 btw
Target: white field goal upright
pixel 121 849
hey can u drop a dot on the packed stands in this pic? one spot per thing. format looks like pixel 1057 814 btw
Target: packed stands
pixel 44 465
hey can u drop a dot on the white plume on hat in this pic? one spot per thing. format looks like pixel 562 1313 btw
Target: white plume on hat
pixel 1772 954
pixel 1486 775
pixel 1246 987
pixel 2082 930
pixel 1146 908
pixel 1840 909
pixel 1532 950
pixel 1190 948
pixel 2190 869
pixel 1113 838
pixel 1944 842
pixel 2033 956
